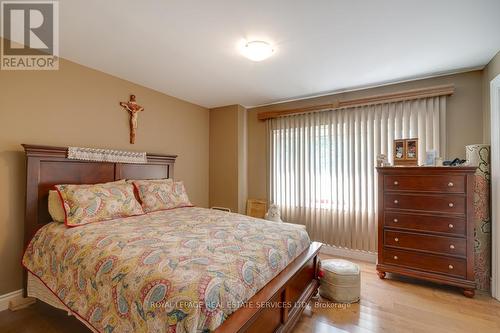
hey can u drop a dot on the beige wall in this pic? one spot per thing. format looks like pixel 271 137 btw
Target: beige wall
pixel 464 120
pixel 224 157
pixel 490 72
pixel 78 106
pixel 242 159
pixel 228 157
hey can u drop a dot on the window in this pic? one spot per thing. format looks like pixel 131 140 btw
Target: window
pixel 322 164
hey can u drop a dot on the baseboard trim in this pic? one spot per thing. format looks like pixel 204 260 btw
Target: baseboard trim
pixel 348 253
pixel 7 298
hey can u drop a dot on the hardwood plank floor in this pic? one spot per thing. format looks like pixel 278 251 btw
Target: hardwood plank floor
pixel 395 304
pixel 40 318
pixel 399 304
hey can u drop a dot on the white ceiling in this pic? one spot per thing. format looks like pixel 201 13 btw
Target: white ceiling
pixel 188 49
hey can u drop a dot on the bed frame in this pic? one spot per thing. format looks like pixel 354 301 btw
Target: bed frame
pixel 295 285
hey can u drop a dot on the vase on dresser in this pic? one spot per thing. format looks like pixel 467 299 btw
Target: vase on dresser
pixel 479 156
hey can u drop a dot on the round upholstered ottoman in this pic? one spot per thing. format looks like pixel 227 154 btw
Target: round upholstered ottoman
pixel 340 281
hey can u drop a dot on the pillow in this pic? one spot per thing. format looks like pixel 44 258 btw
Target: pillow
pixel 179 195
pixel 161 194
pixel 56 209
pixel 84 204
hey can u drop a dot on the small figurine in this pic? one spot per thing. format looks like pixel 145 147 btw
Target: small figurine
pixel 273 214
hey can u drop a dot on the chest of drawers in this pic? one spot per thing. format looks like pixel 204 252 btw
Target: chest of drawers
pixel 425 224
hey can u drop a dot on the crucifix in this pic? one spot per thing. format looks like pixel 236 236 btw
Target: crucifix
pixel 133 108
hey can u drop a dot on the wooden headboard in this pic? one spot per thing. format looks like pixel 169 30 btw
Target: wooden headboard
pixel 47 166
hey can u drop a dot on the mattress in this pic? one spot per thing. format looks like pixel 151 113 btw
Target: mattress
pixel 181 270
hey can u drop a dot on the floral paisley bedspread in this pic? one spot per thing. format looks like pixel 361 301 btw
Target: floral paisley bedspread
pixel 182 270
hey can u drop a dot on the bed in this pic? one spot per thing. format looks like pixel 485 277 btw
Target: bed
pixel 187 269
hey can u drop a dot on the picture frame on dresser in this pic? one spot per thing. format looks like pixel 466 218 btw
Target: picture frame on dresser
pixel 411 149
pixel 405 152
pixel 425 224
pixel 399 150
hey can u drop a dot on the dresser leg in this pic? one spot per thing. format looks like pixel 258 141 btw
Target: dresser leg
pixel 469 293
pixel 381 275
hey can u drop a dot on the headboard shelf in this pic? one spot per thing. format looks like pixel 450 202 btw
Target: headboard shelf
pixel 47 151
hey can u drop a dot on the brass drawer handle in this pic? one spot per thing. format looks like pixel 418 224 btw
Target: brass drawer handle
pixel 452 246
pixel 450 266
pixel 450 226
pixel 395 257
pixel 396 182
pixel 395 220
pixel 450 184
pixel 451 205
pixel 396 201
pixel 396 239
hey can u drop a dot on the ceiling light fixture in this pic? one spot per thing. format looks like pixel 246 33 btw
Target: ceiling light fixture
pixel 257 50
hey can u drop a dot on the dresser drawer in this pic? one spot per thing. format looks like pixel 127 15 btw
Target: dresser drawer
pixel 449 203
pixel 425 183
pixel 427 262
pixel 420 242
pixel 430 223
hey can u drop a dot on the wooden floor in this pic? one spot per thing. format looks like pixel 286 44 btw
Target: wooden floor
pixel 391 305
pixel 398 304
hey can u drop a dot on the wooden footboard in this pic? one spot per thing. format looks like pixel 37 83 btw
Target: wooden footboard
pixel 278 306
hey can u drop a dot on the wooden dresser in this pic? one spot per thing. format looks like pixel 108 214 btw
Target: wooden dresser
pixel 425 224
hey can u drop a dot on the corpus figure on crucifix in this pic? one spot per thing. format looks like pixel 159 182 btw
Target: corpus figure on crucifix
pixel 133 108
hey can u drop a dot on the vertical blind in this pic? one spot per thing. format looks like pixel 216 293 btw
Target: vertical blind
pixel 322 164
